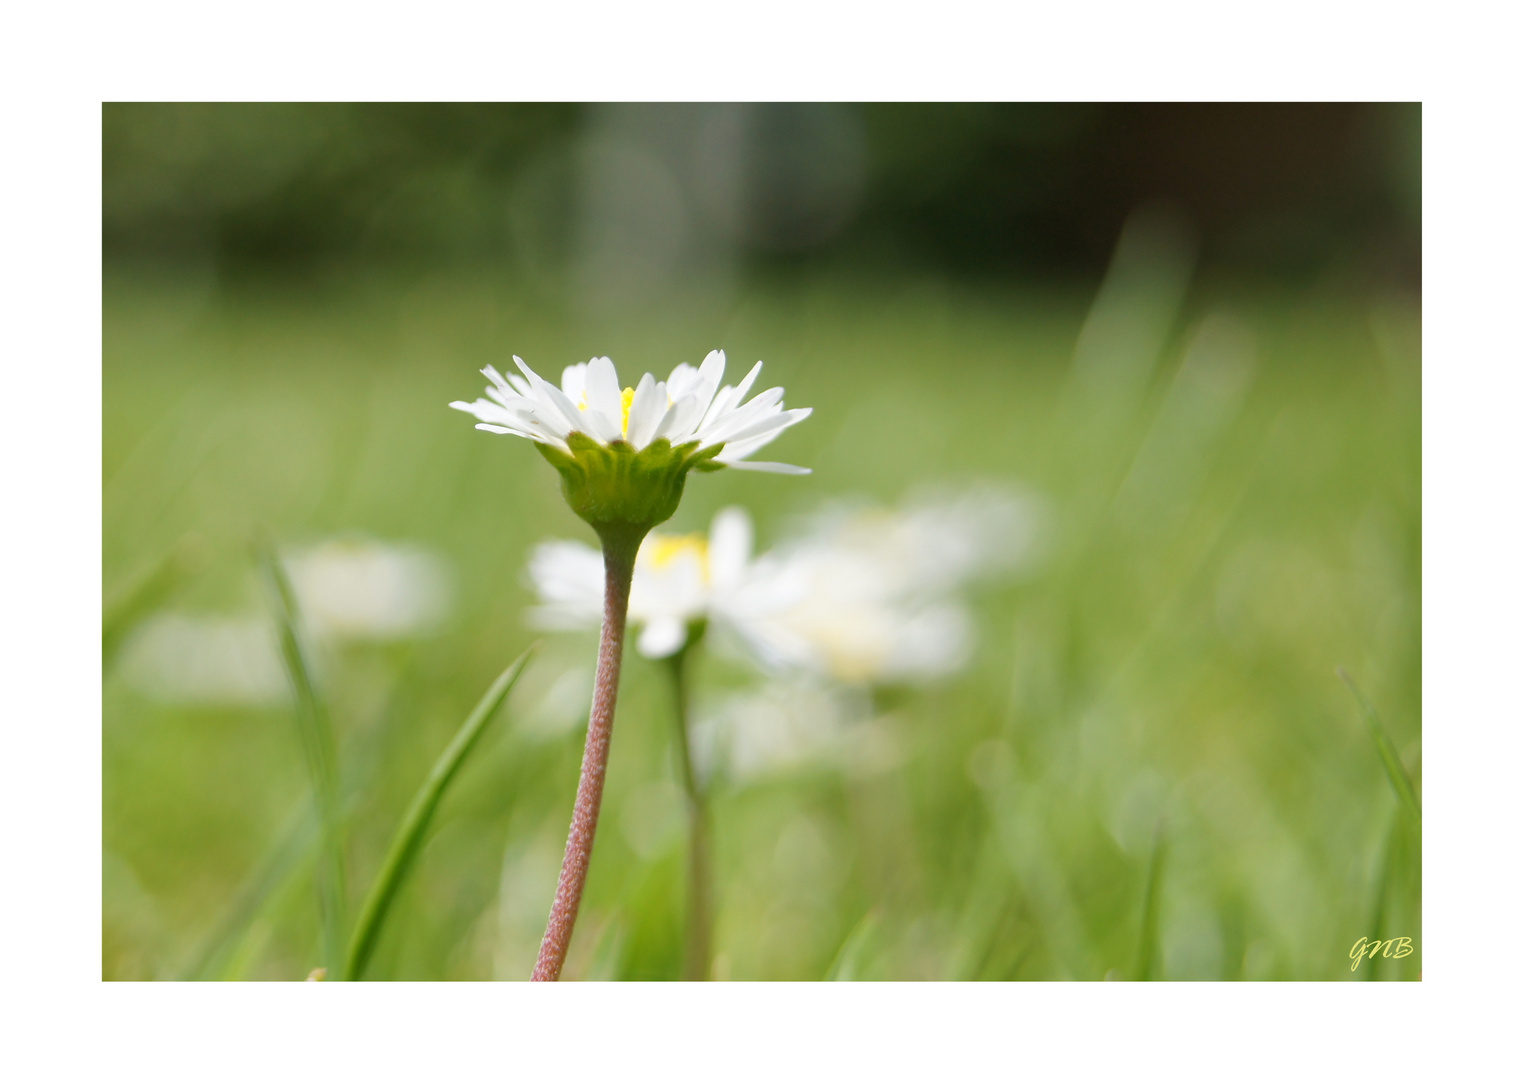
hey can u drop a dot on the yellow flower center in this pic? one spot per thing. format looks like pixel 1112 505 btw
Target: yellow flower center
pixel 664 550
pixel 627 405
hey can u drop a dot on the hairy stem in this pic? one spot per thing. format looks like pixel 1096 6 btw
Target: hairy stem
pixel 618 552
pixel 699 897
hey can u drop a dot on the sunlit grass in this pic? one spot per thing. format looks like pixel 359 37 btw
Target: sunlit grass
pixel 1172 655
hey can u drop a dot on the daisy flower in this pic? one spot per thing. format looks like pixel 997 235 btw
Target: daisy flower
pixel 623 454
pixel 688 408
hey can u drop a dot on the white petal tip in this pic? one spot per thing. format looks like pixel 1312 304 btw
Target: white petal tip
pixel 767 466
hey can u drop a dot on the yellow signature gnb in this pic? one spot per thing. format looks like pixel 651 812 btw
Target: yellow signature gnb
pixel 1368 949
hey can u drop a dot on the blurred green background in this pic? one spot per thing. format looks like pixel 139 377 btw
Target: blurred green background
pixel 1192 331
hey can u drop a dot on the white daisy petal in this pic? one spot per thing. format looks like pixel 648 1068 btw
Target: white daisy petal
pixel 525 412
pixel 490 372
pixel 644 414
pixel 717 408
pixel 662 638
pixel 678 421
pixel 773 422
pixel 600 426
pixel 568 579
pixel 519 384
pixel 494 414
pixel 769 466
pixel 483 409
pixel 730 398
pixel 680 381
pixel 731 541
pixel 602 390
pixel 604 400
pixel 552 397
pixel 738 449
pixel 765 404
pixel 573 382
pixel 710 377
pixel 532 415
pixel 542 434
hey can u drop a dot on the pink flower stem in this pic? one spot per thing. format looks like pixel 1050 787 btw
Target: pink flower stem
pixel 618 552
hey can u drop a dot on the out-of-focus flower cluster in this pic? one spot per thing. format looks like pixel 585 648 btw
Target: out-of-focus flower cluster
pixel 858 597
pixel 678 581
pixel 348 590
pixel 873 595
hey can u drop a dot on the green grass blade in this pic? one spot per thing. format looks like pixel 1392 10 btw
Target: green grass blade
pixel 321 759
pixel 1402 787
pixel 409 837
pixel 1150 908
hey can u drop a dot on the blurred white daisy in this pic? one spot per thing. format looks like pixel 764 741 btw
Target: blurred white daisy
pixel 206 660
pixel 347 589
pixel 678 581
pixel 689 407
pixel 864 596
pixel 873 594
pixel 361 589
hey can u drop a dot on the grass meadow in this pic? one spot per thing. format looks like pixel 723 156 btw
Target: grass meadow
pixel 1148 769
